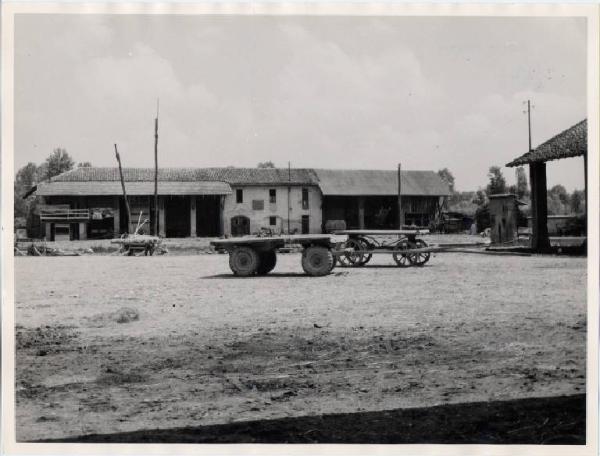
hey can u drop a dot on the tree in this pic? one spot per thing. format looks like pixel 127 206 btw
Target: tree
pixel 26 178
pixel 577 201
pixel 84 165
pixel 480 198
pixel 497 183
pixel 58 162
pixel 447 177
pixel 522 187
pixel 267 164
pixel 559 192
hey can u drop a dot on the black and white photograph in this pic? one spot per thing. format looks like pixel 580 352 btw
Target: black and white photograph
pixel 321 224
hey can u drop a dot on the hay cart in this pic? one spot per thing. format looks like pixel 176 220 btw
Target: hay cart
pixel 257 255
pixel 404 246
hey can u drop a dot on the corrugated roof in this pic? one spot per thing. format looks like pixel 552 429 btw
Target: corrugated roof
pixel 380 182
pixel 570 143
pixel 82 188
pixel 235 176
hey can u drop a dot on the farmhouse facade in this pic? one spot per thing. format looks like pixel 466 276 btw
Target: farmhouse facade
pixel 210 202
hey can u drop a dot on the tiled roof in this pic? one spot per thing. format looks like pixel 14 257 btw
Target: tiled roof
pixel 234 176
pixel 380 182
pixel 570 143
pixel 74 188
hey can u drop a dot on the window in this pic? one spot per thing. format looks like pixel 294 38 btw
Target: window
pixel 258 205
pixel 272 221
pixel 272 195
pixel 239 196
pixel 304 198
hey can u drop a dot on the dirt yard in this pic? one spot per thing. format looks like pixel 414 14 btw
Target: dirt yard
pixel 115 344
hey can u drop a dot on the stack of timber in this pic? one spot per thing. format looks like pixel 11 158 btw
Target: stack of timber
pixel 140 244
pixel 38 248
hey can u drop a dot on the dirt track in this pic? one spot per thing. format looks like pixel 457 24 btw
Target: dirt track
pixel 157 342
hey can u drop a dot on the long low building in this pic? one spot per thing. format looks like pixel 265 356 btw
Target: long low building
pixel 88 202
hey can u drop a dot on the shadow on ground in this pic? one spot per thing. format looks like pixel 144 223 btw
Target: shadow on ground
pixel 537 421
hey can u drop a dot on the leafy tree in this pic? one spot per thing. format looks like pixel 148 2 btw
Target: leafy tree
pixel 577 201
pixel 84 165
pixel 497 183
pixel 559 192
pixel 267 164
pixel 480 198
pixel 58 162
pixel 522 187
pixel 447 177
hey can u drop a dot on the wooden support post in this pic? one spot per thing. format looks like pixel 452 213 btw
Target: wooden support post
pixel 400 211
pixel 585 187
pixel 161 217
pixel 123 187
pixel 48 231
pixel 117 217
pixel 539 208
pixel 82 231
pixel 361 212
pixel 193 216
pixel 222 215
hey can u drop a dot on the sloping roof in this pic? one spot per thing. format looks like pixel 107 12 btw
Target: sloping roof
pixel 234 176
pixel 73 188
pixel 380 182
pixel 570 143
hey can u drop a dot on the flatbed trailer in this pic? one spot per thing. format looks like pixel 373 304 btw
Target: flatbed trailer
pixel 257 255
pixel 405 247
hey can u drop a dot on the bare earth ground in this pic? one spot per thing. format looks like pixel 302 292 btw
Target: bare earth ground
pixel 114 344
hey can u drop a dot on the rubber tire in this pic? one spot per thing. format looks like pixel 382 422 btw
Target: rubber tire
pixel 317 261
pixel 244 261
pixel 268 260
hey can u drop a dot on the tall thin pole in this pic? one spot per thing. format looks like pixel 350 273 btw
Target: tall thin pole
pixel 289 195
pixel 529 121
pixel 156 172
pixel 400 213
pixel 123 187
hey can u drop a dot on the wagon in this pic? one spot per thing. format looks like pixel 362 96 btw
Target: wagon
pixel 404 246
pixel 257 255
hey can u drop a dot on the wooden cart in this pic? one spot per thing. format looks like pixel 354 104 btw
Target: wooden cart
pixel 404 246
pixel 257 255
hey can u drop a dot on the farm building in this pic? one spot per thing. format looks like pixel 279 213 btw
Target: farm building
pixel 88 202
pixel 369 198
pixel 568 144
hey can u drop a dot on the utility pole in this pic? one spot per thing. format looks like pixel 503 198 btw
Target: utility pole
pixel 156 172
pixel 400 213
pixel 289 201
pixel 124 192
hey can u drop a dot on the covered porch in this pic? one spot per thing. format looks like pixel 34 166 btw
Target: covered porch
pixel 570 143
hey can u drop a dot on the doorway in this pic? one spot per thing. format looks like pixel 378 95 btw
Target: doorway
pixel 240 225
pixel 177 216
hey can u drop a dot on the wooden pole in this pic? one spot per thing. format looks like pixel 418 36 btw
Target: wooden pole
pixel 123 187
pixel 156 172
pixel 289 195
pixel 400 213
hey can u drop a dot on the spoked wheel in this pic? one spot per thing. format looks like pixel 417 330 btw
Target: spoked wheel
pixel 401 259
pixel 420 258
pixel 356 259
pixel 317 261
pixel 366 257
pixel 244 261
pixel 268 260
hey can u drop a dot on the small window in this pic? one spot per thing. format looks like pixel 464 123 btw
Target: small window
pixel 304 198
pixel 239 196
pixel 258 205
pixel 272 221
pixel 272 195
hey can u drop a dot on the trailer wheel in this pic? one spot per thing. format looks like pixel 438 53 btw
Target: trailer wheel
pixel 244 261
pixel 355 259
pixel 317 261
pixel 401 259
pixel 366 257
pixel 419 259
pixel 268 260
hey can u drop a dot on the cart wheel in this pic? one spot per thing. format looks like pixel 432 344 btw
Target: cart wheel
pixel 268 260
pixel 317 261
pixel 366 257
pixel 244 261
pixel 354 259
pixel 401 259
pixel 419 259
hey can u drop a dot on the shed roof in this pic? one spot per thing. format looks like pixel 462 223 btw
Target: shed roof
pixel 354 182
pixel 82 188
pixel 234 176
pixel 570 143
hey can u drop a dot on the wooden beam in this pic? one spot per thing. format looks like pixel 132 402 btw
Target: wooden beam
pixel 123 187
pixel 361 212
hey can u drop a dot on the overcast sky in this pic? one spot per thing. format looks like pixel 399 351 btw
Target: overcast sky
pixel 329 92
